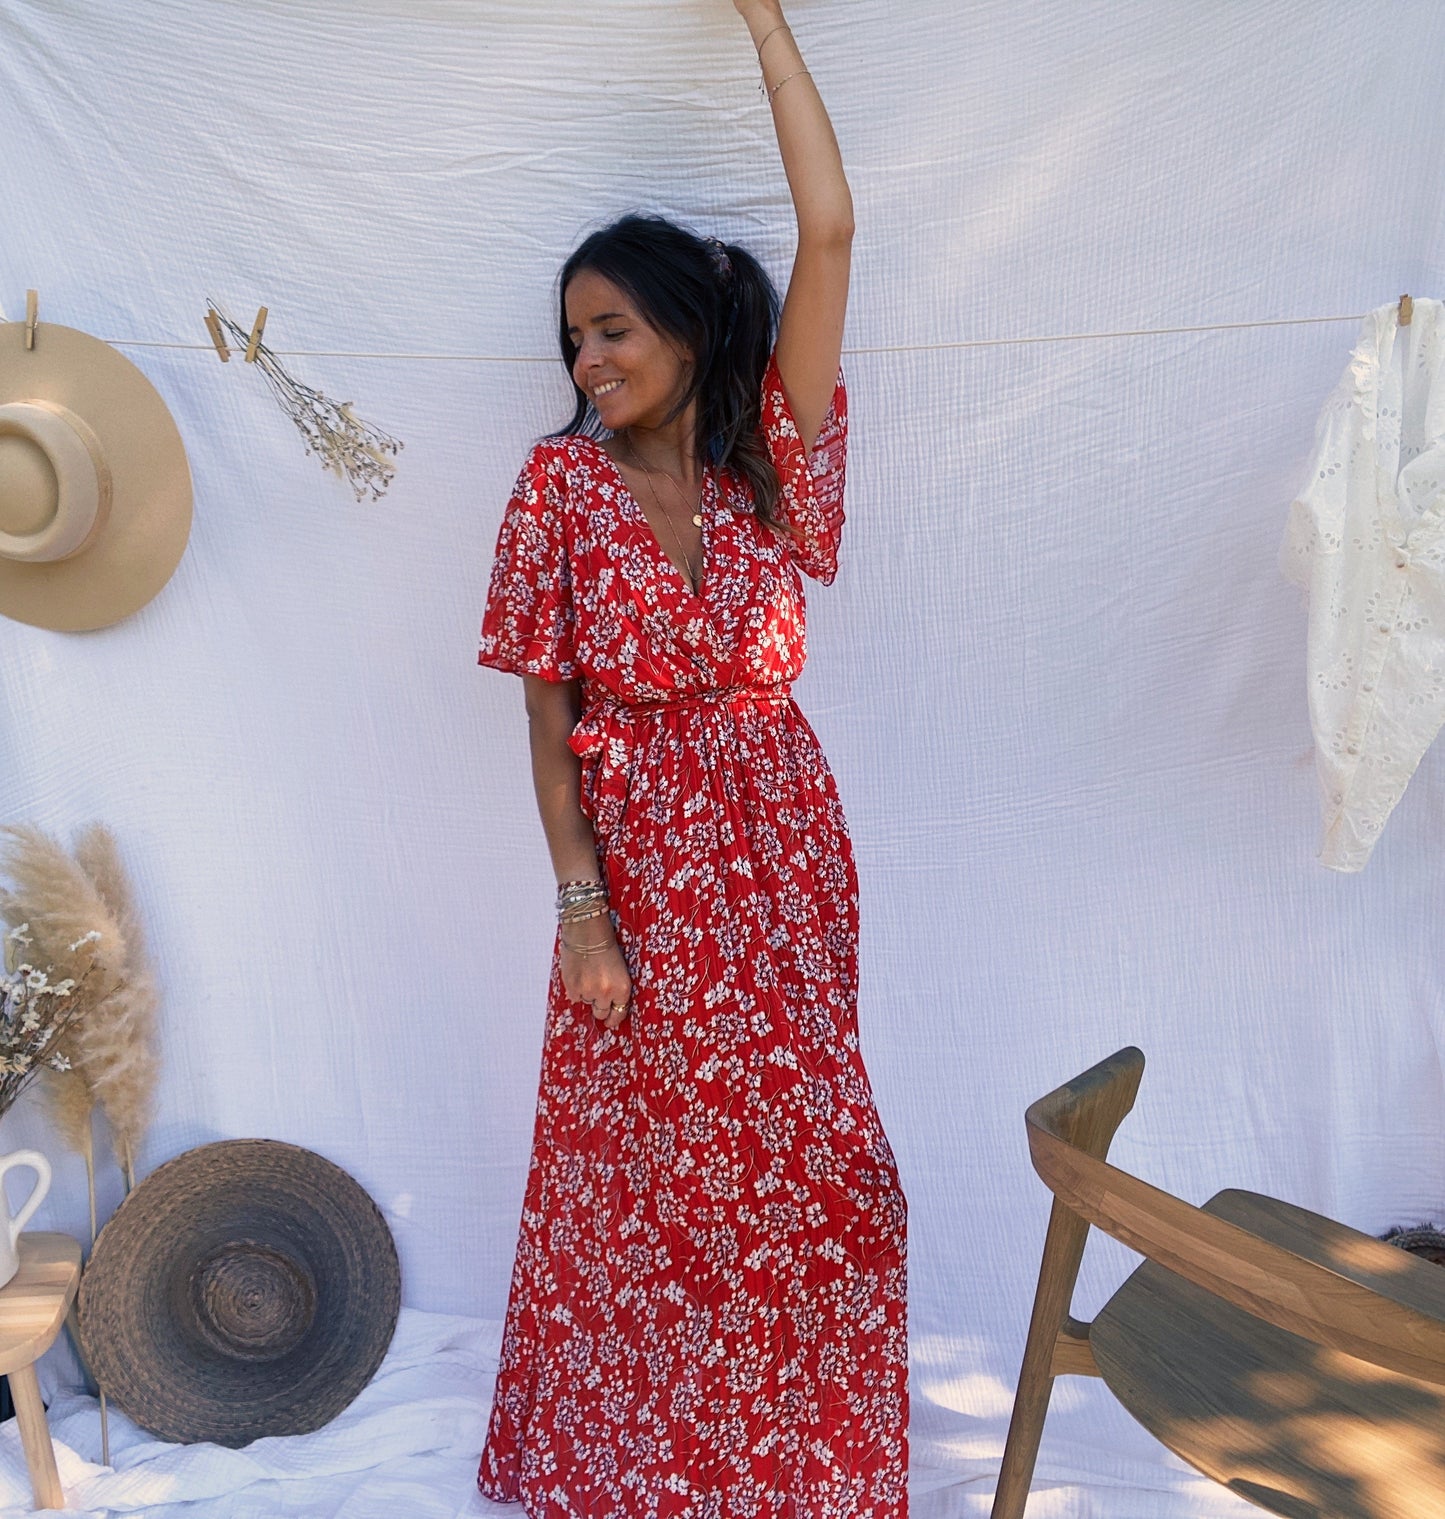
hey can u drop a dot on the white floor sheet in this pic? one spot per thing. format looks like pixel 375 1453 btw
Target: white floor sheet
pixel 1059 678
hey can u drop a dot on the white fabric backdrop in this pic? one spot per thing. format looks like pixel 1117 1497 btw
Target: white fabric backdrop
pixel 1059 678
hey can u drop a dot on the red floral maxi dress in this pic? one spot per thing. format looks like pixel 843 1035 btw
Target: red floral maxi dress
pixel 707 1312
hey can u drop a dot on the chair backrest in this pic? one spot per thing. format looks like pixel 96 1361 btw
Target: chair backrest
pixel 1349 1291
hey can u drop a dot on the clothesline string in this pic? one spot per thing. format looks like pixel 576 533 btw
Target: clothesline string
pixel 495 358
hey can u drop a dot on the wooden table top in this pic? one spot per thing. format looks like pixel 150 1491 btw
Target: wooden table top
pixel 34 1302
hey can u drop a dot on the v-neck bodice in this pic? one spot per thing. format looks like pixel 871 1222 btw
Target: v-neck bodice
pixel 582 588
pixel 707 502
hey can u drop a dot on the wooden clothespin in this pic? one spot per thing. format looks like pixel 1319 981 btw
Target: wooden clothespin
pixel 32 310
pixel 1407 310
pixel 254 342
pixel 213 326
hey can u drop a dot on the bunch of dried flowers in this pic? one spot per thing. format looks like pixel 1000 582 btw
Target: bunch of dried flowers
pixel 34 1013
pixel 359 453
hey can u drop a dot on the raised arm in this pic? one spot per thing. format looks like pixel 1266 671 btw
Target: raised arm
pixel 810 337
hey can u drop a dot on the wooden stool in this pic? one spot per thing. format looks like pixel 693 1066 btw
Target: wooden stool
pixel 33 1305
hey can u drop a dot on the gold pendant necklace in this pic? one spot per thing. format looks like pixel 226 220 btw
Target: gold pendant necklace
pixel 647 474
pixel 677 489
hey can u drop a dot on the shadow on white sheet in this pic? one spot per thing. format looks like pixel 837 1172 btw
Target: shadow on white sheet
pixel 1095 1462
pixel 407 1446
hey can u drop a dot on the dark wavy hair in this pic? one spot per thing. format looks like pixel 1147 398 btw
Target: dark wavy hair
pixel 715 300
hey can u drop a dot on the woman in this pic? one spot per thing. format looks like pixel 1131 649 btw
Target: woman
pixel 707 1310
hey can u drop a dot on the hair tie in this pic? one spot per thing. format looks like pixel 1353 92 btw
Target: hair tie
pixel 722 265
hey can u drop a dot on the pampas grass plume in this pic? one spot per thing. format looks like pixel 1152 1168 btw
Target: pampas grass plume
pixel 114 1045
pixel 71 1105
pixel 62 905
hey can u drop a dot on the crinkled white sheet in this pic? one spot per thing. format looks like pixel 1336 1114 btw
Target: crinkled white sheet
pixel 1059 679
pixel 406 1446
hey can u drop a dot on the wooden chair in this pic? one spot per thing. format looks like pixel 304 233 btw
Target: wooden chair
pixel 1296 1361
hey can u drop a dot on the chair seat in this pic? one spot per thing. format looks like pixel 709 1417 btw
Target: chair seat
pixel 1296 1428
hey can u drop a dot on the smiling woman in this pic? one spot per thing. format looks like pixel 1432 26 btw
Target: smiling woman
pixel 667 337
pixel 631 376
pixel 707 1311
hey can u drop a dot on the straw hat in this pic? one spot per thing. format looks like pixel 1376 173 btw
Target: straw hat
pixel 95 494
pixel 245 1288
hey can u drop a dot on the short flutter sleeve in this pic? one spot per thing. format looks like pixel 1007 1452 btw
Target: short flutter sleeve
pixel 810 501
pixel 528 627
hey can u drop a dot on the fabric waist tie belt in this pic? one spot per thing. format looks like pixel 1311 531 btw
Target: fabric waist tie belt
pixel 605 736
pixel 736 698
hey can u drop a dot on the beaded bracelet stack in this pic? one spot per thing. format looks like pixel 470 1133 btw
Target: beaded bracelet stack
pixel 580 902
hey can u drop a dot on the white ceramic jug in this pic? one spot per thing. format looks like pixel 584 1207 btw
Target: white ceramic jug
pixel 10 1227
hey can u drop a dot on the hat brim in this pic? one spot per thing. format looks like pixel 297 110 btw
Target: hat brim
pixel 245 1288
pixel 138 548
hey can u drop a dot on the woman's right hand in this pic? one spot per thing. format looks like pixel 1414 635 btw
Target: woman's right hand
pixel 600 980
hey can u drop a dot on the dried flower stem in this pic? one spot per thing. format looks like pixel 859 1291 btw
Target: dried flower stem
pixel 359 453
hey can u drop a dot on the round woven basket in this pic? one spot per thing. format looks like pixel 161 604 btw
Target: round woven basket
pixel 1422 1239
pixel 245 1288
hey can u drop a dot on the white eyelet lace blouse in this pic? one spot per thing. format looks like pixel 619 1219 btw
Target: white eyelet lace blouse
pixel 1366 540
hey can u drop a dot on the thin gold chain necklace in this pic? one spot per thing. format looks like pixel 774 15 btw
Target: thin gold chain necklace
pixel 692 575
